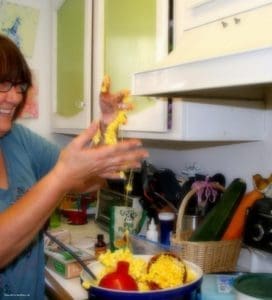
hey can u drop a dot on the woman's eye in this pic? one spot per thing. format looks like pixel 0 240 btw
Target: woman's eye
pixel 5 86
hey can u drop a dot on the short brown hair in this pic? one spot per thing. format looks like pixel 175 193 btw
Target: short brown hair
pixel 13 67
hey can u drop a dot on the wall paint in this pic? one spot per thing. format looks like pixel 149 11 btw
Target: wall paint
pixel 234 160
pixel 41 62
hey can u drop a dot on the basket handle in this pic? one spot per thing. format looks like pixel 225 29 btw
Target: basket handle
pixel 186 200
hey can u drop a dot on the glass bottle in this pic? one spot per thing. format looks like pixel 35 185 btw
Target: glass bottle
pixel 100 245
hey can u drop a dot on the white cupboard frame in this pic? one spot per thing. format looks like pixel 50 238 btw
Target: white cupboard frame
pixel 76 123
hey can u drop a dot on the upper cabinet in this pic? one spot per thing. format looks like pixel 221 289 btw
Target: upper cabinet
pixel 128 36
pixel 202 117
pixel 199 12
pixel 97 37
pixel 224 58
pixel 238 33
pixel 72 45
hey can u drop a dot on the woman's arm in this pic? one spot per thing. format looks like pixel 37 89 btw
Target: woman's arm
pixel 79 168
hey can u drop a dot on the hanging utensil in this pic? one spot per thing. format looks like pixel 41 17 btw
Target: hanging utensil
pixel 171 205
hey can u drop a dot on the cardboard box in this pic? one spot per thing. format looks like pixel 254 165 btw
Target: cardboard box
pixel 64 264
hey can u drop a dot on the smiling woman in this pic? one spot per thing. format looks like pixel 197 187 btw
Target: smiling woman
pixel 35 175
pixel 13 71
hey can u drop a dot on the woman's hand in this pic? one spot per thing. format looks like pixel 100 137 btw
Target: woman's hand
pixel 81 167
pixel 111 103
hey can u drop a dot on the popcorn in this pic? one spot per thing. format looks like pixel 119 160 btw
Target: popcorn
pixel 176 272
pixel 110 136
pixel 139 269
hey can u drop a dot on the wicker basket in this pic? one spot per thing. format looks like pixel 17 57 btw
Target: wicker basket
pixel 211 256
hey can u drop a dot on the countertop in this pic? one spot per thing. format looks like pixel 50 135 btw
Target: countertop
pixel 84 237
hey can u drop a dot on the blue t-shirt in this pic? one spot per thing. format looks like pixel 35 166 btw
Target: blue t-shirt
pixel 28 157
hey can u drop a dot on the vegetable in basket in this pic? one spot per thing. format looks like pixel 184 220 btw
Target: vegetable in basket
pixel 216 222
pixel 236 225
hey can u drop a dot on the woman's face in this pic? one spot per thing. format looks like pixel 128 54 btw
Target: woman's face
pixel 9 101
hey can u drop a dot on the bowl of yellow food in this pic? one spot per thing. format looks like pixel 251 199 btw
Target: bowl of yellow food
pixel 158 277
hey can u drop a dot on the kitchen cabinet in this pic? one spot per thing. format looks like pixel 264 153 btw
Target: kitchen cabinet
pixel 113 41
pixel 213 120
pixel 72 52
pixel 230 35
pixel 227 58
pixel 199 12
pixel 129 35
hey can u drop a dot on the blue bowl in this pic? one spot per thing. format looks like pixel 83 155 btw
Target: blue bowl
pixel 186 291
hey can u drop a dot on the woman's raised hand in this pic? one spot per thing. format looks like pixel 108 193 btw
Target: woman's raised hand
pixel 82 167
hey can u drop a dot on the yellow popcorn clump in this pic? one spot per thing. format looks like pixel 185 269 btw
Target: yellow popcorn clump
pixel 86 284
pixel 105 84
pixel 97 137
pixel 110 135
pixel 190 276
pixel 129 188
pixel 166 272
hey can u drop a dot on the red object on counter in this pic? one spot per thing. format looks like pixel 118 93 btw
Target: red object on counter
pixel 75 216
pixel 119 279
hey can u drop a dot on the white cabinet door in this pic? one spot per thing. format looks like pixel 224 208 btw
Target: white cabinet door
pixel 199 12
pixel 214 120
pixel 72 29
pixel 243 32
pixel 222 120
pixel 128 36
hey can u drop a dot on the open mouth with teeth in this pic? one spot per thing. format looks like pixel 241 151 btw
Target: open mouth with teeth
pixel 7 111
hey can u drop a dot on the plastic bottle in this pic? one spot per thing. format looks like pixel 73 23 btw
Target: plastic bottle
pixel 55 219
pixel 152 233
pixel 100 245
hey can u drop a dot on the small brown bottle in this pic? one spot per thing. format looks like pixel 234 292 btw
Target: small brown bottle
pixel 100 245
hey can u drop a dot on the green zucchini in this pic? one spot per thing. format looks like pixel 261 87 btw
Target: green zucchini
pixel 214 224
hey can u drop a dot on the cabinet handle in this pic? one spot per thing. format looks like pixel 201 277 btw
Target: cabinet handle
pixel 237 20
pixel 80 104
pixel 224 24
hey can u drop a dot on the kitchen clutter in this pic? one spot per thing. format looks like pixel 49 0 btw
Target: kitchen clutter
pixel 62 257
pixel 209 218
pixel 200 220
pixel 166 225
pixel 148 272
pixel 219 216
pixel 75 207
pixel 100 246
pixel 152 233
pixel 204 245
pixel 123 222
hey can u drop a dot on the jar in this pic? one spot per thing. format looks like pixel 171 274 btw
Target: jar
pixel 100 245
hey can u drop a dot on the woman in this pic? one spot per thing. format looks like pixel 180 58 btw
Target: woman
pixel 34 176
